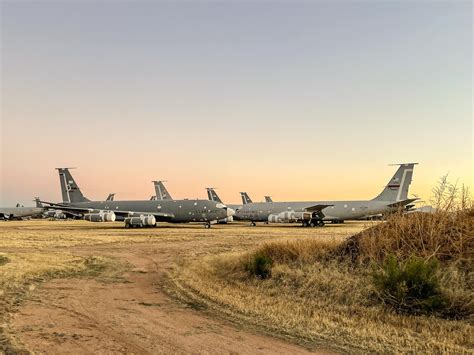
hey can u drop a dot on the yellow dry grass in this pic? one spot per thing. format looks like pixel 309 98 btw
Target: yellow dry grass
pixel 40 250
pixel 314 296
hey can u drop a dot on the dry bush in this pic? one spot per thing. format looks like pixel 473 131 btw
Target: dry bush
pixel 447 236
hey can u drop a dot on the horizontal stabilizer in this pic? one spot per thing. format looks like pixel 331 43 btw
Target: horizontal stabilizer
pixel 403 202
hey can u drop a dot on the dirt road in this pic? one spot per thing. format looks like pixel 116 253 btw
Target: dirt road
pixel 135 314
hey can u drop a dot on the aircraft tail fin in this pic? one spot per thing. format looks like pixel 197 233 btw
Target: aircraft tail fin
pixel 69 189
pixel 212 195
pixel 161 192
pixel 245 198
pixel 268 199
pixel 38 202
pixel 110 197
pixel 398 185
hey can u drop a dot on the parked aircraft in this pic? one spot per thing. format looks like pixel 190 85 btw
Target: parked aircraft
pixel 20 212
pixel 136 213
pixel 393 197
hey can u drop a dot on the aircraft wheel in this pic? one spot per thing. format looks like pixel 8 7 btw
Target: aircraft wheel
pixel 127 225
pixel 207 225
pixel 305 224
pixel 311 224
pixel 321 223
pixel 253 224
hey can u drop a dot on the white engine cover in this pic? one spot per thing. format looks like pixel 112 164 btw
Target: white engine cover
pixel 289 217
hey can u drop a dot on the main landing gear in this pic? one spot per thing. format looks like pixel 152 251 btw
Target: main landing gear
pixel 207 225
pixel 313 223
pixel 253 224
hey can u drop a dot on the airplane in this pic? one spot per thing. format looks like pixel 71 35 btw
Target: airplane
pixel 20 212
pixel 136 213
pixel 268 199
pixel 393 197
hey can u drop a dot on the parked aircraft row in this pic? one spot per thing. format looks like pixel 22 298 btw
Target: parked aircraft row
pixel 162 207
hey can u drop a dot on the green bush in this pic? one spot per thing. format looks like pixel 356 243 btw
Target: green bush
pixel 411 286
pixel 260 266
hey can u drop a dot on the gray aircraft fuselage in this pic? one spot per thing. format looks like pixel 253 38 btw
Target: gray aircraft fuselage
pixel 182 210
pixel 341 210
pixel 20 212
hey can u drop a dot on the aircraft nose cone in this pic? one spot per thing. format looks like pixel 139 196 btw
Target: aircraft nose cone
pixel 230 212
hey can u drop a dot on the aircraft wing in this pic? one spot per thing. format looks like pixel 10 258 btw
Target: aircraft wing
pixel 160 216
pixel 318 209
pixel 402 202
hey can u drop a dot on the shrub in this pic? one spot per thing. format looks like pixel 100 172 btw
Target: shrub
pixel 259 265
pixel 411 286
pixel 3 260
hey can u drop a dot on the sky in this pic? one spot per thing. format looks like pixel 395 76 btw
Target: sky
pixel 298 100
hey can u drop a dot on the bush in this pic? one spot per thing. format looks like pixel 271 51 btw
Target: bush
pixel 260 266
pixel 3 260
pixel 411 286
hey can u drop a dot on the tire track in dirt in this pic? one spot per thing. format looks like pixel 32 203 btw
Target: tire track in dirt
pixel 133 315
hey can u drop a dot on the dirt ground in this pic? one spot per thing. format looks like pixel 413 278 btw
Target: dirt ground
pixel 134 312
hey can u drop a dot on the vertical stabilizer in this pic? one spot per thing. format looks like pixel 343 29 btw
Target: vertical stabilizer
pixel 268 199
pixel 212 195
pixel 110 197
pixel 398 185
pixel 38 202
pixel 69 189
pixel 161 192
pixel 245 198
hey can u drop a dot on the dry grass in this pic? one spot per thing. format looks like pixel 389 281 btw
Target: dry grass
pixel 447 236
pixel 320 291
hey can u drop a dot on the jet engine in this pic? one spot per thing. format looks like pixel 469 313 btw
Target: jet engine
pixel 100 217
pixel 142 221
pixel 289 217
pixel 55 214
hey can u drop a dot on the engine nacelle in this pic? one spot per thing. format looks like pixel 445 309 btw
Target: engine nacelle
pixel 100 217
pixel 225 220
pixel 55 214
pixel 289 217
pixel 141 221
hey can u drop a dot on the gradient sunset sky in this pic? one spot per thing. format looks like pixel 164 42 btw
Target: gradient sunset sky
pixel 301 101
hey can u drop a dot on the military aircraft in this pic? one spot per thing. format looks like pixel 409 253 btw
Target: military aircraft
pixel 137 213
pixel 313 213
pixel 20 212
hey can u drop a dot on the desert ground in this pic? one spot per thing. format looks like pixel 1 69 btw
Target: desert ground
pixel 76 286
